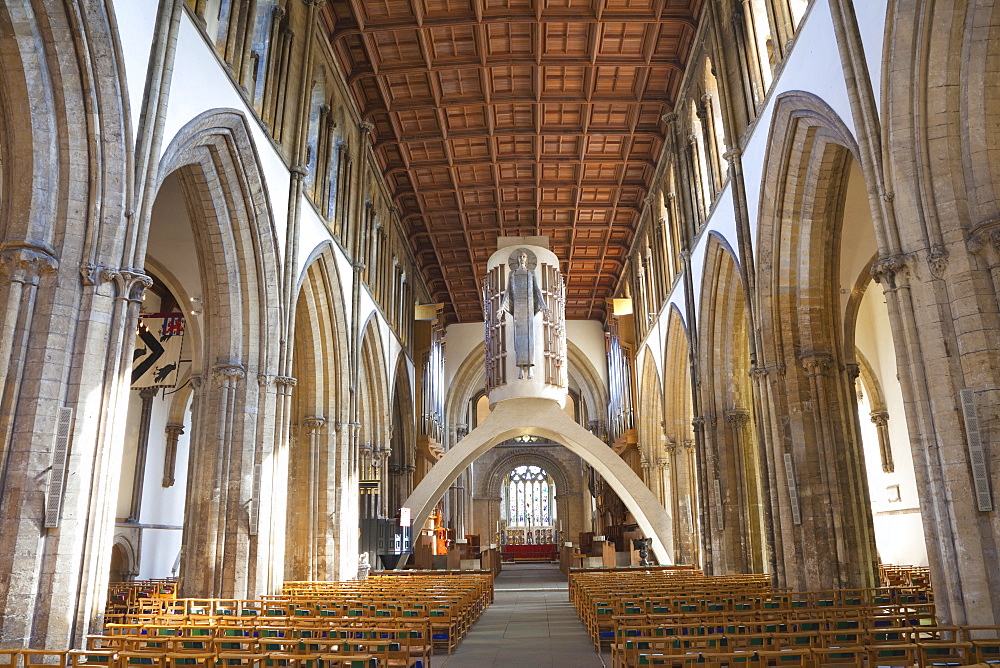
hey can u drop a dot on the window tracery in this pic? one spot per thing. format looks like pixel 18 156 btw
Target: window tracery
pixel 528 507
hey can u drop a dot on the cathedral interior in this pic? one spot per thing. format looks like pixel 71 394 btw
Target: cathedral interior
pixel 252 308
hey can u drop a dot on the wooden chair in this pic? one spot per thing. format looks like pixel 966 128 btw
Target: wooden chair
pixel 839 656
pixel 944 653
pixel 900 655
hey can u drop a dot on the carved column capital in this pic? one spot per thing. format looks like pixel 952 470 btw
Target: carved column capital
pixel 879 418
pixel 888 269
pixel 148 393
pixel 130 284
pixel 669 118
pixel 853 370
pixel 698 422
pixel 25 262
pixel 984 240
pixel 228 375
pixel 816 363
pixel 738 418
pixel 366 127
pixel 314 423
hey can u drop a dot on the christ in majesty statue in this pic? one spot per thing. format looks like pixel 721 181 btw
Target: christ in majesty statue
pixel 523 299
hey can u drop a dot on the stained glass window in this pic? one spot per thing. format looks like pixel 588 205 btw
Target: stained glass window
pixel 528 507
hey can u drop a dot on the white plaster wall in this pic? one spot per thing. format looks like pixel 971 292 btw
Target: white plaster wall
pixel 723 224
pixel 164 505
pixel 588 336
pixel 460 340
pixel 136 20
pixel 871 21
pixel 857 238
pixel 158 553
pixel 898 529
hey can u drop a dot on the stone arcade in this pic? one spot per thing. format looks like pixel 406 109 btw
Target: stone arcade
pixel 772 228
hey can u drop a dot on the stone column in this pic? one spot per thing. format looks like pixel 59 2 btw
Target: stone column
pixel 747 505
pixel 147 394
pixel 314 522
pixel 174 432
pixel 23 264
pixel 881 421
pixel 216 525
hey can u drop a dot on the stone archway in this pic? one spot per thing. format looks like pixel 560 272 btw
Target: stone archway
pixel 736 484
pixel 821 509
pixel 493 468
pixel 318 449
pixel 235 509
pixel 546 419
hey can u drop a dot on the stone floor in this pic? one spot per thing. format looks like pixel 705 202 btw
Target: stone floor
pixel 530 624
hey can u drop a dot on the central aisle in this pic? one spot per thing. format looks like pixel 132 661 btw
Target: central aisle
pixel 530 624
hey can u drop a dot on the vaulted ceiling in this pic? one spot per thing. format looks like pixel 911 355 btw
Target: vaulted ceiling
pixel 516 118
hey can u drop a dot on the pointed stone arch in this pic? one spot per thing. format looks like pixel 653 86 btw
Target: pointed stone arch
pixel 318 448
pixel 235 511
pixel 546 419
pixel 688 524
pixel 738 536
pixel 824 534
pixel 373 417
pixel 655 460
pixel 527 457
pixel 71 294
pixel 402 438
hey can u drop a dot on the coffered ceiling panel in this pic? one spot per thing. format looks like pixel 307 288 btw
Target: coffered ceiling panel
pixel 516 117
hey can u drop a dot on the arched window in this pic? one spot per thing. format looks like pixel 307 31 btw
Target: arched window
pixel 698 170
pixel 528 507
pixel 760 45
pixel 259 48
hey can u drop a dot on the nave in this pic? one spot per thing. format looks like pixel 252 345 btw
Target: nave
pixel 530 623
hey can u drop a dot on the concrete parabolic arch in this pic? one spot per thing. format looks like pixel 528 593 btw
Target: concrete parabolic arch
pixel 546 419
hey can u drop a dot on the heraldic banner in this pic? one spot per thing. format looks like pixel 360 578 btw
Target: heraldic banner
pixel 157 350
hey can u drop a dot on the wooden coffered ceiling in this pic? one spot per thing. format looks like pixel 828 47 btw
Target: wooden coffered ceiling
pixel 517 118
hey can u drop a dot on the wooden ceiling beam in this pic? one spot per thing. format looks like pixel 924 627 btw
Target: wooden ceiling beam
pixel 480 18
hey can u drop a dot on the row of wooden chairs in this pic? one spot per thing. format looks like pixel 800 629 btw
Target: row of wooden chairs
pixel 448 603
pixel 823 644
pixel 895 656
pixel 891 575
pixel 606 601
pixel 136 596
pixel 334 658
pixel 674 620
pixel 406 646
